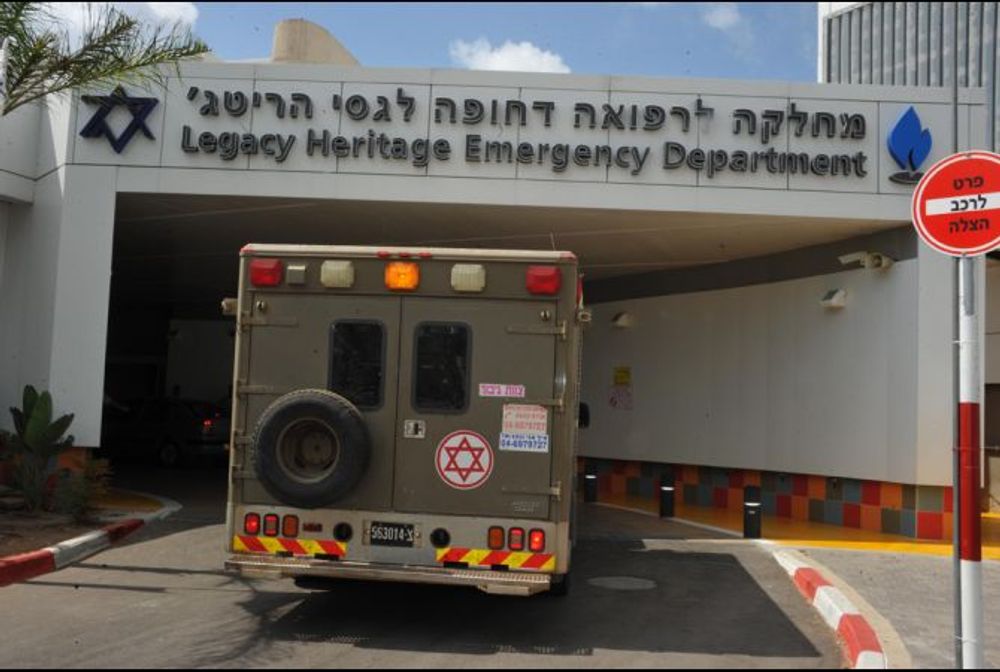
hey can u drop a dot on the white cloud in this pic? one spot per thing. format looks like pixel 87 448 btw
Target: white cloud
pixel 75 16
pixel 722 15
pixel 726 17
pixel 518 56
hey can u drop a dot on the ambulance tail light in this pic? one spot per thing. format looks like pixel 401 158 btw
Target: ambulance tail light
pixel 251 524
pixel 495 538
pixel 536 541
pixel 271 525
pixel 515 539
pixel 468 277
pixel 290 526
pixel 402 276
pixel 266 272
pixel 543 280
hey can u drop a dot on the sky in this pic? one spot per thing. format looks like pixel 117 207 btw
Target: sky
pixel 662 39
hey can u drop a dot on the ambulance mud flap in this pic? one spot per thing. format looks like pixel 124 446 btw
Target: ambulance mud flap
pixel 311 448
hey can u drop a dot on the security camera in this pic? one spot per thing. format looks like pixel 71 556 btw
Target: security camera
pixel 867 259
pixel 623 320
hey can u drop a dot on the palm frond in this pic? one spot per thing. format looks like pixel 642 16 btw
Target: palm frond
pixel 115 47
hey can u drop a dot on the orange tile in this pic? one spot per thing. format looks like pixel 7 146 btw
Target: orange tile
pixel 735 501
pixel 892 495
pixel 690 474
pixel 817 487
pixel 871 518
pixel 946 528
pixel 617 484
pixel 633 469
pixel 751 477
pixel 800 508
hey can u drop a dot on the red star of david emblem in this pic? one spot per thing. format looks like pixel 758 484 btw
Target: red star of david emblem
pixel 475 466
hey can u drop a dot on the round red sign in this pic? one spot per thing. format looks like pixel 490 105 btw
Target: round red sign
pixel 464 459
pixel 956 205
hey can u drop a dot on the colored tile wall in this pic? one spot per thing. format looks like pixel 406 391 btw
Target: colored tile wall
pixel 892 508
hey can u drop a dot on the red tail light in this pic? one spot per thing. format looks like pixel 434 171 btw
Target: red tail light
pixel 266 272
pixel 251 524
pixel 290 526
pixel 495 538
pixel 536 541
pixel 271 525
pixel 206 423
pixel 515 539
pixel 543 280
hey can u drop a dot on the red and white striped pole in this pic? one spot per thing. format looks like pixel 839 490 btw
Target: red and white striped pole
pixel 970 395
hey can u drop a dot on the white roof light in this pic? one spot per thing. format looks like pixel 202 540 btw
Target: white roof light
pixel 468 277
pixel 337 273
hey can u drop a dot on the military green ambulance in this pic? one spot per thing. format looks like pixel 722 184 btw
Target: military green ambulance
pixel 405 415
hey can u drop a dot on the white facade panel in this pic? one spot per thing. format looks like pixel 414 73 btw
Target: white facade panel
pixel 764 377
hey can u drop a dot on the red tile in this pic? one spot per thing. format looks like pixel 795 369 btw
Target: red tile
pixel 736 478
pixel 852 514
pixel 720 497
pixel 784 506
pixel 947 499
pixel 930 525
pixel 800 485
pixel 617 484
pixel 871 493
pixel 618 467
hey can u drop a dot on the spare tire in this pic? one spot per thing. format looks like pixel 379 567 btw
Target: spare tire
pixel 311 448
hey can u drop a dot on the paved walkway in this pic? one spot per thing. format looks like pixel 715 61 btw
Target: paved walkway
pixel 906 581
pixel 819 535
pixel 914 593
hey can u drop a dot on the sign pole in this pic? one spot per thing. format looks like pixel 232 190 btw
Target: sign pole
pixel 969 400
pixel 957 272
pixel 956 210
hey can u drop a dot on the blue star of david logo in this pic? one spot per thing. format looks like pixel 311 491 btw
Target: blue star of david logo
pixel 98 124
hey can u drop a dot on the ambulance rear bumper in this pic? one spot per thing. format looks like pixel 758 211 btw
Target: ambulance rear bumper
pixel 503 583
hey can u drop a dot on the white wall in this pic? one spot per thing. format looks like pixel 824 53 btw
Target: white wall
pixel 992 321
pixel 200 358
pixel 763 377
pixel 54 295
pixel 18 152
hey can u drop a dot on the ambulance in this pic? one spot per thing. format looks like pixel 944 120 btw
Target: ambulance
pixel 405 414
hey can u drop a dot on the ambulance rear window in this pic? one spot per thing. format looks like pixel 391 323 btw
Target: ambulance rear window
pixel 357 360
pixel 442 368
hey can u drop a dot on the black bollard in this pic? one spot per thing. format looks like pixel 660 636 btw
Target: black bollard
pixel 667 494
pixel 751 512
pixel 589 483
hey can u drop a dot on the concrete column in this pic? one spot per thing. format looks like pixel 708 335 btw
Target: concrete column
pixel 54 292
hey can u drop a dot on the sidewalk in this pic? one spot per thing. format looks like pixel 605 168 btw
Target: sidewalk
pixel 906 581
pixel 118 514
pixel 798 533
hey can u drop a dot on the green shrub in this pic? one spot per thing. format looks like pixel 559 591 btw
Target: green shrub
pixel 36 444
pixel 75 492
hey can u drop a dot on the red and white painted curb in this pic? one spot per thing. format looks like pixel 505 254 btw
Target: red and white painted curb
pixel 24 566
pixel 858 640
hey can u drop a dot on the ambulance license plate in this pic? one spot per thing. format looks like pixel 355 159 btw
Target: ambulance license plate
pixel 390 534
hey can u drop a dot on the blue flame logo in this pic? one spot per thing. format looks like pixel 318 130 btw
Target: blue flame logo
pixel 909 144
